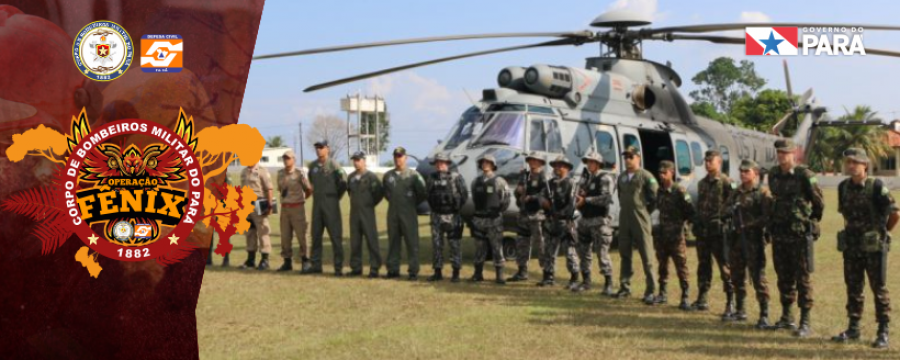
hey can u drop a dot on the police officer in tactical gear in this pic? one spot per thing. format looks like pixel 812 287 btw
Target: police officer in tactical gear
pixel 560 207
pixel 594 228
pixel 490 193
pixel 447 193
pixel 530 193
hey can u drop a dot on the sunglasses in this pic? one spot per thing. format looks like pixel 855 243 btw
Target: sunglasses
pixel 629 157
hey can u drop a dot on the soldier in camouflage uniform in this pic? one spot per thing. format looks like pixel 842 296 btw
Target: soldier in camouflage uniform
pixel 749 210
pixel 366 192
pixel 560 224
pixel 490 193
pixel 329 183
pixel 295 189
pixel 530 191
pixel 712 193
pixel 447 193
pixel 594 229
pixel 869 216
pixel 675 209
pixel 797 209
pixel 637 200
pixel 404 189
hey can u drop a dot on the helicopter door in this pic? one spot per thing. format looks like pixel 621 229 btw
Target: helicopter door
pixel 605 144
pixel 684 163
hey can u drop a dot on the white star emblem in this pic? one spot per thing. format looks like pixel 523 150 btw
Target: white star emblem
pixel 173 240
pixel 93 239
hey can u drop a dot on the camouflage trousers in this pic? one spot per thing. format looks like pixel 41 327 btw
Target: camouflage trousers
pixel 792 268
pixel 857 266
pixel 671 246
pixel 755 262
pixel 446 228
pixel 595 234
pixel 709 248
pixel 531 234
pixel 488 236
pixel 560 233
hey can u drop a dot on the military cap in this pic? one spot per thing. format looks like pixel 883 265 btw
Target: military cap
pixel 289 154
pixel 561 159
pixel 440 157
pixel 358 155
pixel 536 156
pixel 857 155
pixel 711 153
pixel 748 164
pixel 632 150
pixel 321 143
pixel 784 145
pixel 399 151
pixel 593 156
pixel 666 165
pixel 488 158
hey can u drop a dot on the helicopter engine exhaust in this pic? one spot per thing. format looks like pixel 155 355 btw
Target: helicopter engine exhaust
pixel 512 77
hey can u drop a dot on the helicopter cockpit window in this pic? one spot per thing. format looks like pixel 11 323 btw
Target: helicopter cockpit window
pixel 683 157
pixel 506 107
pixel 725 159
pixel 504 129
pixel 544 136
pixel 606 148
pixel 464 129
pixel 697 152
pixel 540 110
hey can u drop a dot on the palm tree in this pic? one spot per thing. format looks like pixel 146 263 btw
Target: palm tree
pixel 275 141
pixel 872 139
pixel 824 150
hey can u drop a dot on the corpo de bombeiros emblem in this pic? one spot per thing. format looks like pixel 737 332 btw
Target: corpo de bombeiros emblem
pixel 132 190
pixel 103 50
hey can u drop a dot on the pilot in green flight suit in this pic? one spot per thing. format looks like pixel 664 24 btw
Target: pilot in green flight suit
pixel 637 200
pixel 404 189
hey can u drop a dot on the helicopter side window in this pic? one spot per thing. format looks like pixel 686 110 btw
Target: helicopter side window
pixel 697 151
pixel 504 129
pixel 544 136
pixel 607 149
pixel 726 157
pixel 464 129
pixel 683 157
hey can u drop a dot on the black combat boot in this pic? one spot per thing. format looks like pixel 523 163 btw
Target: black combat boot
pixel 455 277
pixel 684 296
pixel 264 263
pixel 607 285
pixel 438 276
pixel 787 319
pixel 624 290
pixel 338 272
pixel 354 273
pixel 521 275
pixel 548 279
pixel 251 261
pixel 852 332
pixel 286 266
pixel 741 313
pixel 304 265
pixel 702 303
pixel 728 314
pixel 763 322
pixel 663 296
pixel 573 282
pixel 373 274
pixel 585 284
pixel 499 278
pixel 881 341
pixel 804 330
pixel 225 261
pixel 392 275
pixel 478 276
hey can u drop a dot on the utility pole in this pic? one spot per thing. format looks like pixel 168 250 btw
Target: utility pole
pixel 301 144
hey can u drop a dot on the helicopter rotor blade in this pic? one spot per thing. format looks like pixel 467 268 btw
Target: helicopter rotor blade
pixel 787 80
pixel 579 34
pixel 716 39
pixel 560 42
pixel 742 26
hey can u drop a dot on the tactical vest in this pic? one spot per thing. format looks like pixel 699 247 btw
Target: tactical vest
pixel 595 186
pixel 561 193
pixel 874 218
pixel 534 186
pixel 487 197
pixel 443 195
pixel 791 206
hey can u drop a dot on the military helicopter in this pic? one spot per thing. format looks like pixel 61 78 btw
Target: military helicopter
pixel 618 99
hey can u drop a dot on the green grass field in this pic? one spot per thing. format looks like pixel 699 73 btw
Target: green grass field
pixel 252 314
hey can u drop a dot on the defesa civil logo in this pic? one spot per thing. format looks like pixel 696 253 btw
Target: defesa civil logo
pixel 162 53
pixel 789 41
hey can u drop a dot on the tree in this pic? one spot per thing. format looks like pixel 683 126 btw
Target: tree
pixel 384 128
pixel 332 129
pixel 723 82
pixel 762 111
pixel 872 139
pixel 275 141
pixel 708 110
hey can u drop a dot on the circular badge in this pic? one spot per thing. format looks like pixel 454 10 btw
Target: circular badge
pixel 123 231
pixel 103 50
pixel 108 182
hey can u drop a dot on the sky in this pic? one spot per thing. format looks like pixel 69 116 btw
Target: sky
pixel 424 103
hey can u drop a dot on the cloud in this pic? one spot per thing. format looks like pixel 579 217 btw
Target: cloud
pixel 755 16
pixel 648 8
